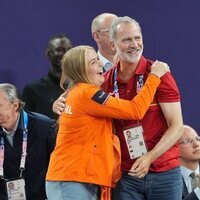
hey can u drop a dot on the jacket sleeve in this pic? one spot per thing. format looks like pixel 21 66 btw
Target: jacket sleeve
pixel 51 136
pixel 98 103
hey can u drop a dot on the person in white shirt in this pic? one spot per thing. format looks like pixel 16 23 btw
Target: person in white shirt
pixel 100 32
pixel 189 145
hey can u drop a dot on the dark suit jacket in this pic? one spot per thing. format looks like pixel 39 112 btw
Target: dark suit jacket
pixel 186 195
pixel 40 144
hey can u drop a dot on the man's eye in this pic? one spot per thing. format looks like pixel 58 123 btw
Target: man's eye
pixel 189 140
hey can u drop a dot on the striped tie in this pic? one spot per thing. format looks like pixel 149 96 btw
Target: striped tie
pixel 195 180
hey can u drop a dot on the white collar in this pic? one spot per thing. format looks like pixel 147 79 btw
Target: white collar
pixel 103 59
pixel 186 172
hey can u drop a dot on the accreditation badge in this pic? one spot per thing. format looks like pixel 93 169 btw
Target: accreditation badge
pixel 135 141
pixel 16 189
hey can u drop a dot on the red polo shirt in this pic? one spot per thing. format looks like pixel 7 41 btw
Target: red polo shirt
pixel 153 123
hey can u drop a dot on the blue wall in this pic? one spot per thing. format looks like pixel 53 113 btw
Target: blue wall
pixel 171 33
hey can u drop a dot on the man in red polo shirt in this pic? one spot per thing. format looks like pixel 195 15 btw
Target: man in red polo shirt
pixel 150 165
pixel 150 162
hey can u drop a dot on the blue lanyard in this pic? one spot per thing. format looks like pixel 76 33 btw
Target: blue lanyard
pixel 140 84
pixel 24 147
pixel 1 156
pixel 116 89
pixel 24 142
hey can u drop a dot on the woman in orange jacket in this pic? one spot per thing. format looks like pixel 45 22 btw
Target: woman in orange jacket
pixel 87 153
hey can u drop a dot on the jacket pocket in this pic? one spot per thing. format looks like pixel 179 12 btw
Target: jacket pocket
pixel 91 160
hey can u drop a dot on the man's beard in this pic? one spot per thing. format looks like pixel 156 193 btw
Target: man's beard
pixel 130 58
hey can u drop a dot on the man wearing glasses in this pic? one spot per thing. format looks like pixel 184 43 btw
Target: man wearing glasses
pixel 100 32
pixel 189 145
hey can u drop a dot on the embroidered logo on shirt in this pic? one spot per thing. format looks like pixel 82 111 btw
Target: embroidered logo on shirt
pixel 100 97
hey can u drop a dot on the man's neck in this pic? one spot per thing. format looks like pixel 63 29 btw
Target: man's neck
pixel 54 74
pixel 10 126
pixel 127 70
pixel 190 165
pixel 109 57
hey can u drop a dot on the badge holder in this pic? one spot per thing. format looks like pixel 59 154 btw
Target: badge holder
pixel 135 141
pixel 16 189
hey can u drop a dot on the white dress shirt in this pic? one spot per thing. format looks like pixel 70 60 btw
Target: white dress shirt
pixel 106 63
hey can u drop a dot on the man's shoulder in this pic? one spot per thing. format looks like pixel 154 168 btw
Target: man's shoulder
pixel 38 83
pixel 40 118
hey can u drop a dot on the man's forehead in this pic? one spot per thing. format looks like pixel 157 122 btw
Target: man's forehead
pixel 130 26
pixel 189 133
pixel 3 96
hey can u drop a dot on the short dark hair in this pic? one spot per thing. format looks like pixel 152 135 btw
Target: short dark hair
pixel 59 36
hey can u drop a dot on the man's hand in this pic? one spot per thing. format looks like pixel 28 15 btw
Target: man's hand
pixel 141 166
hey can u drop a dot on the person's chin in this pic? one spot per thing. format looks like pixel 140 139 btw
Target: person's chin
pixel 102 80
pixel 99 83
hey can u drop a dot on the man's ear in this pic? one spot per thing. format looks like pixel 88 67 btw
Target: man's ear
pixel 48 52
pixel 95 36
pixel 16 105
pixel 112 45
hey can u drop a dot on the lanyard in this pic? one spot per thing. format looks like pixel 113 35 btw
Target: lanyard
pixel 24 147
pixel 116 89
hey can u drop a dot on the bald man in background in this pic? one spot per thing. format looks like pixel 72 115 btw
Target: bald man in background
pixel 189 145
pixel 100 32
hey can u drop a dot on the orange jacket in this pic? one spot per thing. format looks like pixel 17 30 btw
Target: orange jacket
pixel 86 149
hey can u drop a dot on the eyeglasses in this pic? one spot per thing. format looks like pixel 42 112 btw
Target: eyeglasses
pixel 189 140
pixel 103 30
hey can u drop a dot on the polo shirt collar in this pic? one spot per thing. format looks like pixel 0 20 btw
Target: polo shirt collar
pixel 141 68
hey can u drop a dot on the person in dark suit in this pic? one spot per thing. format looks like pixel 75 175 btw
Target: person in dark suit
pixel 189 145
pixel 40 94
pixel 26 142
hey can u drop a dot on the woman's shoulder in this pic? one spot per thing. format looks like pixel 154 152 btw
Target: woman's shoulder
pixel 82 88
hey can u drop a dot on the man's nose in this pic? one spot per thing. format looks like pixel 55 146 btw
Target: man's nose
pixel 134 43
pixel 195 143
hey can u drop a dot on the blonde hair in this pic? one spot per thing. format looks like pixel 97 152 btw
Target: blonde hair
pixel 74 66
